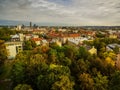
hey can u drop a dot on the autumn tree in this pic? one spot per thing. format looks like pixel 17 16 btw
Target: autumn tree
pixel 86 82
pixel 116 49
pixel 64 83
pixel 29 45
pixel 83 53
pixel 115 81
pixel 18 72
pixel 23 87
pixel 52 55
pixel 5 33
pixel 101 82
pixel 70 52
pixel 3 52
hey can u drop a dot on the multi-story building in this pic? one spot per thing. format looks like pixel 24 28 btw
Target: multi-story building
pixel 19 27
pixel 13 48
pixel 21 36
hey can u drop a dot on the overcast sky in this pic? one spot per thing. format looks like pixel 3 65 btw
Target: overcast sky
pixel 69 12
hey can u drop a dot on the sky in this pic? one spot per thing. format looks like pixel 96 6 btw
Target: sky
pixel 63 12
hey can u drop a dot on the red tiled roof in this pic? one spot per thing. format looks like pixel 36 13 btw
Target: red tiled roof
pixel 63 35
pixel 73 35
pixel 36 39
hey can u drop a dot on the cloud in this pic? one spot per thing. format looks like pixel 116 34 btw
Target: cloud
pixel 74 12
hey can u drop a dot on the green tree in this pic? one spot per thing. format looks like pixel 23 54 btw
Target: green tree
pixel 99 35
pixel 70 52
pixel 18 72
pixel 64 83
pixel 86 82
pixel 115 81
pixel 100 45
pixel 52 55
pixel 44 82
pixel 116 49
pixel 83 53
pixel 82 66
pixel 23 87
pixel 66 61
pixel 3 52
pixel 29 45
pixel 33 44
pixel 32 71
pixel 101 82
pixel 5 33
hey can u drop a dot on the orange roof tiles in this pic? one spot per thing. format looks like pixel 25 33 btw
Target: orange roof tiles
pixel 73 35
pixel 36 39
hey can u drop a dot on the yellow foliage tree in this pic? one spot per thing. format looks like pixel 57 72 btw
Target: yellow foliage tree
pixel 110 61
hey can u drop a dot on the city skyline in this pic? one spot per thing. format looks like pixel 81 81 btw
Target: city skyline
pixel 62 12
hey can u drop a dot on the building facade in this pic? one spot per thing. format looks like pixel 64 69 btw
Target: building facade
pixel 13 48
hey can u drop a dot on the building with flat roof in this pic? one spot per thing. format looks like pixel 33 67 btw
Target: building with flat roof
pixel 13 48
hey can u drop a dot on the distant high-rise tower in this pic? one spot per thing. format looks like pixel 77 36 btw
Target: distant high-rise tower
pixel 30 24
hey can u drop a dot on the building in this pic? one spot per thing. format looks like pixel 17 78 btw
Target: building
pixel 30 24
pixel 13 48
pixel 93 50
pixel 35 36
pixel 38 31
pixel 37 40
pixel 21 36
pixel 28 37
pixel 111 47
pixel 44 42
pixel 19 27
pixel 114 36
pixel 59 43
pixel 15 37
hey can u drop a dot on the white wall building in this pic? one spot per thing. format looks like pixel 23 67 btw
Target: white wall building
pixel 19 27
pixel 21 36
pixel 13 48
pixel 78 40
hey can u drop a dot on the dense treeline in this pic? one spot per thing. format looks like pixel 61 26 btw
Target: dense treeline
pixel 63 68
pixel 5 33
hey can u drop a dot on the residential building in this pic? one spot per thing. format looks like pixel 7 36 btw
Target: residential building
pixel 114 36
pixel 13 48
pixel 93 50
pixel 37 40
pixel 110 47
pixel 21 36
pixel 19 27
pixel 15 37
pixel 28 37
pixel 35 36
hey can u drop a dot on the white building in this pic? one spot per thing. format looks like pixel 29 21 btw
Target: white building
pixel 15 37
pixel 21 36
pixel 35 36
pixel 13 48
pixel 78 40
pixel 28 37
pixel 19 27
